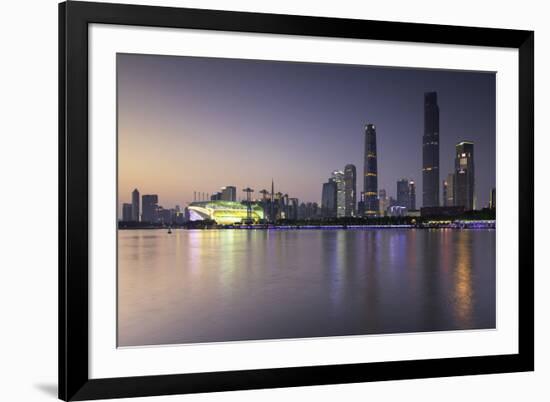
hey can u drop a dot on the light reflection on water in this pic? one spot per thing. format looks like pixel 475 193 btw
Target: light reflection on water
pixel 226 285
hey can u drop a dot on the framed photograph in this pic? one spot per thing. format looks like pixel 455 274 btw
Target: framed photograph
pixel 256 200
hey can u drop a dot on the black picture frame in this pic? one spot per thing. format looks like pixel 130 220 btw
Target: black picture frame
pixel 74 381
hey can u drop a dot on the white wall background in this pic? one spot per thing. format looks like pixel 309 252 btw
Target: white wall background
pixel 28 193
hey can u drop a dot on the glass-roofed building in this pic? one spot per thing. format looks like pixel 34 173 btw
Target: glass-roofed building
pixel 223 212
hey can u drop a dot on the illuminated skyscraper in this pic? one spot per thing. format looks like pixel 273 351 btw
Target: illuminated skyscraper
pixel 350 180
pixel 135 205
pixel 430 151
pixel 370 172
pixel 338 178
pixel 464 184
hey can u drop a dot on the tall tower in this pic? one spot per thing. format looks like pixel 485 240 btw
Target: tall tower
pixel 329 199
pixel 135 205
pixel 464 183
pixel 370 172
pixel 338 178
pixel 430 151
pixel 350 180
pixel 272 202
pixel 412 195
pixel 149 204
pixel 448 190
pixel 403 195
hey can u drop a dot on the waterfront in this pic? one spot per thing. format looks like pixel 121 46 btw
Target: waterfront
pixel 227 285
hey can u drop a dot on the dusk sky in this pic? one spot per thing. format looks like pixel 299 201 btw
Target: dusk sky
pixel 190 124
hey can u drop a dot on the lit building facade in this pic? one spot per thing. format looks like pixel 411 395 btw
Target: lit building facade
pixel 430 151
pixel 350 180
pixel 370 172
pixel 338 178
pixel 464 182
pixel 224 212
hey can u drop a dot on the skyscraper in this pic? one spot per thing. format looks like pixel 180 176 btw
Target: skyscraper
pixel 135 205
pixel 430 151
pixel 149 204
pixel 448 190
pixel 370 172
pixel 361 204
pixel 406 194
pixel 464 184
pixel 403 199
pixel 328 199
pixel 127 212
pixel 383 202
pixel 350 180
pixel 338 178
pixel 412 195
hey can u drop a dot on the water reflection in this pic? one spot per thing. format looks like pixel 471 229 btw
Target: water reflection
pixel 463 289
pixel 223 285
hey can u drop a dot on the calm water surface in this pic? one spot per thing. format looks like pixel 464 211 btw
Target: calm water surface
pixel 227 285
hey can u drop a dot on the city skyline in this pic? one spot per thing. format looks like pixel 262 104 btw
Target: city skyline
pixel 174 152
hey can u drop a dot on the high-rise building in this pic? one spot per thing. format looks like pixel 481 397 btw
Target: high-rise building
pixel 361 204
pixel 127 212
pixel 149 205
pixel 338 178
pixel 135 205
pixel 403 199
pixel 350 180
pixel 370 172
pixel 293 204
pixel 383 202
pixel 328 199
pixel 406 194
pixel 229 193
pixel 493 198
pixel 412 195
pixel 448 190
pixel 464 182
pixel 430 151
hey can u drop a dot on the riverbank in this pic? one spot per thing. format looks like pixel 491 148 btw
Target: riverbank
pixel 458 224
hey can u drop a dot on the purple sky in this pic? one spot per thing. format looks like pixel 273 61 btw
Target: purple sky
pixel 190 124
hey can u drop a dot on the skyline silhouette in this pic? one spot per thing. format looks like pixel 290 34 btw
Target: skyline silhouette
pixel 190 124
